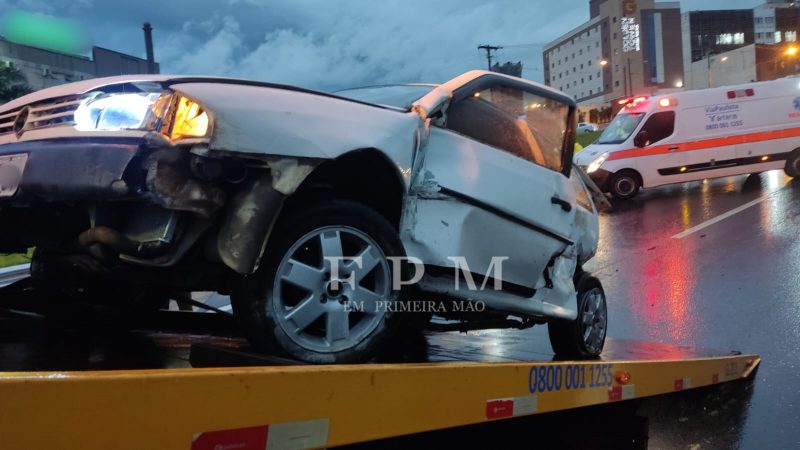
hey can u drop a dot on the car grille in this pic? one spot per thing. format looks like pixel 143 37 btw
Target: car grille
pixel 7 121
pixel 51 113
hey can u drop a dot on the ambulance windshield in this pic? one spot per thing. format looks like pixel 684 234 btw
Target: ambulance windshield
pixel 620 128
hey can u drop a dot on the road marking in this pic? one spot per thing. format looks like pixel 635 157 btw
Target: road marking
pixel 720 217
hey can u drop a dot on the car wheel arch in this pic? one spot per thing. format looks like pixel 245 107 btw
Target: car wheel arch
pixel 366 175
pixel 632 171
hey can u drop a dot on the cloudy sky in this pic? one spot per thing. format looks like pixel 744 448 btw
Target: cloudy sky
pixel 328 44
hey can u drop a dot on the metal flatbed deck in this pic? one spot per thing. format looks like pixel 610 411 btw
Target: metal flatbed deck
pixel 182 380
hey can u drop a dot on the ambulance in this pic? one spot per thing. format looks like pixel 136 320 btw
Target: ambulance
pixel 692 135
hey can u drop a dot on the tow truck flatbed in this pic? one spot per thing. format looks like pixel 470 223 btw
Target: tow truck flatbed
pixel 143 388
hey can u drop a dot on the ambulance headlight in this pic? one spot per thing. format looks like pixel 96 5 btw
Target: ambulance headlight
pixel 594 165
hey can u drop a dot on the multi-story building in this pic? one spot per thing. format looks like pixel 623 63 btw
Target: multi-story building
pixel 723 47
pixel 775 22
pixel 622 50
pixel 44 68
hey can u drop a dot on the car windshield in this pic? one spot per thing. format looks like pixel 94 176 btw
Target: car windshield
pixel 620 128
pixel 399 96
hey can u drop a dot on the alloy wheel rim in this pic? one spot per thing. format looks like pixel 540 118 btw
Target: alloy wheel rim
pixel 594 322
pixel 317 310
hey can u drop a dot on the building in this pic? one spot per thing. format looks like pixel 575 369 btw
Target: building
pixel 509 68
pixel 45 68
pixel 754 62
pixel 776 22
pixel 622 50
pixel 724 47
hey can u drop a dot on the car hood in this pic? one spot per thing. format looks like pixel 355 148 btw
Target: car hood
pixel 78 87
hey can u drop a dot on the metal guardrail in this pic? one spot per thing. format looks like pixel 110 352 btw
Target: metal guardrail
pixel 12 274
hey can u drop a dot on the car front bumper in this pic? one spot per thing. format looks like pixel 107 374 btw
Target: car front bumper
pixel 600 178
pixel 73 169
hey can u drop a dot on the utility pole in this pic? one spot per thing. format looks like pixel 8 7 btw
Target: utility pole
pixel 489 49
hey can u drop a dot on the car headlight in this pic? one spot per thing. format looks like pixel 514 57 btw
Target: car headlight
pixel 594 165
pixel 189 120
pixel 172 114
pixel 123 111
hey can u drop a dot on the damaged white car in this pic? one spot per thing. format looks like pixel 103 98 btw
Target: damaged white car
pixel 324 216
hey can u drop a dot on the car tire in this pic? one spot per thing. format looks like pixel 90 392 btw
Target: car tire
pixel 311 323
pixel 624 184
pixel 792 167
pixel 585 336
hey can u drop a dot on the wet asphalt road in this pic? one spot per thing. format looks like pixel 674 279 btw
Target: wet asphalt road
pixel 731 285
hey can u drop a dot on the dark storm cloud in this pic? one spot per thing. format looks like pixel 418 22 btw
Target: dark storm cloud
pixel 328 44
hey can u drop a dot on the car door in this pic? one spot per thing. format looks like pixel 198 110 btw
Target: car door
pixel 498 165
pixel 657 133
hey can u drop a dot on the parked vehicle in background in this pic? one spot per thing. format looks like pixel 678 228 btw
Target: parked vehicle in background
pixel 587 127
pixel 693 135
pixel 304 205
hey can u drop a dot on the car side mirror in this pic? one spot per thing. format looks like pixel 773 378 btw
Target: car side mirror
pixel 641 139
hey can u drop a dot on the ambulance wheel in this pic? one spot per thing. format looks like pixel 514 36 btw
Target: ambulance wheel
pixel 624 184
pixel 585 336
pixel 792 167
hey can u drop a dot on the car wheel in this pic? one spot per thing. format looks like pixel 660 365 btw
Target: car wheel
pixel 294 304
pixel 624 185
pixel 585 336
pixel 792 167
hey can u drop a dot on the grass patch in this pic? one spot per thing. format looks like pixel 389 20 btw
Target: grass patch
pixel 15 258
pixel 587 138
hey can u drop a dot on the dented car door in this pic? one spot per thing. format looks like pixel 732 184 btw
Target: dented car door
pixel 492 184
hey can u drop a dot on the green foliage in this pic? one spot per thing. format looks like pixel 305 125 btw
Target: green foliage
pixel 587 138
pixel 16 258
pixel 12 83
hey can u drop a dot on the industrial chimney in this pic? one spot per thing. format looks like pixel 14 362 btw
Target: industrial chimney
pixel 148 44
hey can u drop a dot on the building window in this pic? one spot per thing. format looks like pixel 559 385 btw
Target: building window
pixel 791 36
pixel 615 35
pixel 596 44
pixel 573 70
pixel 777 37
pixel 590 78
pixel 759 20
pixel 614 19
pixel 759 35
pixel 590 91
pixel 581 66
pixel 580 52
pixel 573 55
pixel 769 19
pixel 581 80
pixel 616 83
pixel 598 74
pixel 730 38
pixel 588 48
pixel 589 63
pixel 616 67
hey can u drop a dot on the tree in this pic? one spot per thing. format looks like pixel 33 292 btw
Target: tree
pixel 13 83
pixel 594 115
